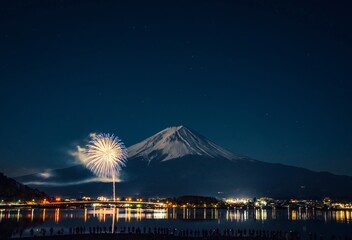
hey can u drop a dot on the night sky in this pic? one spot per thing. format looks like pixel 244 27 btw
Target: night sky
pixel 268 79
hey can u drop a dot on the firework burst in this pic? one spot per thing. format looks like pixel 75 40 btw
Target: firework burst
pixel 105 155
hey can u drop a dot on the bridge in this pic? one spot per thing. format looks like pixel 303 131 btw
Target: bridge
pixel 108 202
pixel 85 203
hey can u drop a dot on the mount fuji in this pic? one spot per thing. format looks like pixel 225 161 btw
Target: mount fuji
pixel 179 161
pixel 177 142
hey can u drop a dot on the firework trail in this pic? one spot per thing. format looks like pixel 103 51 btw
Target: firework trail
pixel 105 155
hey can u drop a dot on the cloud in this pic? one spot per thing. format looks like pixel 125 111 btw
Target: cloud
pixel 45 175
pixel 92 135
pixel 78 153
pixel 23 171
pixel 58 184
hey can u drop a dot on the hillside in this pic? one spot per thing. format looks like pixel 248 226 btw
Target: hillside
pixel 11 190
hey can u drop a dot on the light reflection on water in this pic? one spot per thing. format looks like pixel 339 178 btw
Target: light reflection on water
pixel 128 214
pixel 270 219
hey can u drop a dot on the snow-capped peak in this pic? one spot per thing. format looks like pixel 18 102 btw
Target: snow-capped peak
pixel 176 142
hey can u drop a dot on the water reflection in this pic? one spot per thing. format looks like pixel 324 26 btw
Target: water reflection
pixel 117 217
pixel 238 215
pixel 128 214
pixel 57 215
pixel 44 214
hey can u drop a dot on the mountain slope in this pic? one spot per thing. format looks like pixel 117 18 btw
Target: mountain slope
pixel 176 142
pixel 11 190
pixel 178 161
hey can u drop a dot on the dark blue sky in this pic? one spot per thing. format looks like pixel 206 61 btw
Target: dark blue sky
pixel 268 79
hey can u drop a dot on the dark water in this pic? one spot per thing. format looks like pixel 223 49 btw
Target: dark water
pixel 326 223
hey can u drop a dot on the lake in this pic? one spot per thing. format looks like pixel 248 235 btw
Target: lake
pixel 324 222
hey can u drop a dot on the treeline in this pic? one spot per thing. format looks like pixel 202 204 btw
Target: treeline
pixel 197 200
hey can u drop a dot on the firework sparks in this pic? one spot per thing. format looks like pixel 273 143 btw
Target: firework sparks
pixel 105 155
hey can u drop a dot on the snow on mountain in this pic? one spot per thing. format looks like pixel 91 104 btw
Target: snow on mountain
pixel 177 142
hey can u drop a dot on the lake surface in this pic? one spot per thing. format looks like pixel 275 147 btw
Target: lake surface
pixel 326 223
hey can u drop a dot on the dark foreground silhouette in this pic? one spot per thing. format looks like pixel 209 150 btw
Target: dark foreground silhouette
pixel 126 233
